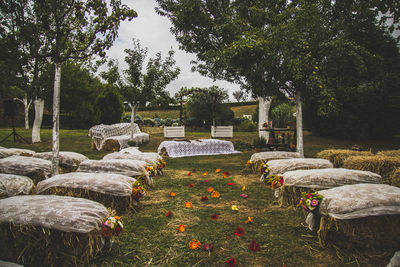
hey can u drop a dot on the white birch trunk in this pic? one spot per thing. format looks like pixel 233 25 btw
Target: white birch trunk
pixel 134 108
pixel 24 101
pixel 37 123
pixel 264 104
pixel 56 120
pixel 299 124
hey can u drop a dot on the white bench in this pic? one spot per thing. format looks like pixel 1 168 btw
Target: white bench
pixel 222 131
pixel 174 131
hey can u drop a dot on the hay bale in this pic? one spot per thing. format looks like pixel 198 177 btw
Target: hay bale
pixel 110 145
pixel 8 152
pixel 280 166
pixel 50 230
pixel 395 179
pixel 310 181
pixel 111 190
pixel 68 161
pixel 128 167
pixel 34 168
pixel 149 158
pixel 12 185
pixel 360 216
pixel 338 156
pixel 264 157
pixel 380 164
pixel 390 153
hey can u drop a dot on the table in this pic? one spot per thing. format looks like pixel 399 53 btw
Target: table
pixel 200 147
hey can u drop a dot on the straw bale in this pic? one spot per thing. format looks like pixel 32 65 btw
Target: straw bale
pixel 264 157
pixel 110 145
pixel 391 153
pixel 34 168
pixel 12 185
pixel 68 161
pixel 395 179
pixel 150 158
pixel 280 166
pixel 380 164
pixel 8 152
pixel 290 195
pixel 111 190
pixel 50 230
pixel 337 156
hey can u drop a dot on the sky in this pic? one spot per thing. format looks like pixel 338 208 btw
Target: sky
pixel 153 32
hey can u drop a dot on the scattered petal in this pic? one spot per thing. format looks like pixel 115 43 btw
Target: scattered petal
pixel 227 173
pixel 244 195
pixel 190 185
pixel 172 194
pixel 194 244
pixel 181 228
pixel 231 262
pixel 254 246
pixel 205 173
pixel 188 204
pixel 206 181
pixel 214 216
pixel 249 220
pixel 168 214
pixel 215 194
pixel 225 176
pixel 243 188
pixel 231 183
pixel 218 170
pixel 204 198
pixel 189 173
pixel 234 207
pixel 208 247
pixel 239 231
pixel 210 189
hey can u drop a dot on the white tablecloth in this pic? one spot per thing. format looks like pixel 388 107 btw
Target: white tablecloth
pixel 176 149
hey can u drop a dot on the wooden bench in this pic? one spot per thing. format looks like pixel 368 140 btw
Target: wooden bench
pixel 174 131
pixel 222 131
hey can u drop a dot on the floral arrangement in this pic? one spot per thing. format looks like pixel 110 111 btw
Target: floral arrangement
pixel 275 181
pixel 151 170
pixel 250 164
pixel 138 190
pixel 161 164
pixel 267 124
pixel 194 244
pixel 264 170
pixel 310 201
pixel 112 226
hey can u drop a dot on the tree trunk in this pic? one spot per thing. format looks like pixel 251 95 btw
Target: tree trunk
pixel 299 124
pixel 264 104
pixel 56 119
pixel 37 123
pixel 24 101
pixel 134 109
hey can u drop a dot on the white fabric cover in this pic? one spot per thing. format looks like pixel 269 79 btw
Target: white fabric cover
pixel 150 158
pixel 68 159
pixel 25 165
pixel 123 140
pixel 105 183
pixel 131 150
pixel 360 200
pixel 280 166
pixel 68 214
pixel 176 149
pixel 266 156
pixel 12 185
pixel 9 264
pixel 395 260
pixel 8 152
pixel 328 178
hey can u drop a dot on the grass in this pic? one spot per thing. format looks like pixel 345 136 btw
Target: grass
pixel 152 239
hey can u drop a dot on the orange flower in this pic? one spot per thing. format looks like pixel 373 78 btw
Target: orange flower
pixel 189 173
pixel 218 170
pixel 215 194
pixel 117 218
pixel 243 188
pixel 181 228
pixel 172 194
pixel 205 173
pixel 225 176
pixel 210 189
pixel 194 244
pixel 249 220
pixel 188 204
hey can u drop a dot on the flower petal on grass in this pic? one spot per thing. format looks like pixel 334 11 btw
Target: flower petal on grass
pixel 194 244
pixel 215 194
pixel 168 214
pixel 218 170
pixel 249 220
pixel 234 207
pixel 172 194
pixel 244 195
pixel 204 198
pixel 210 189
pixel 190 185
pixel 231 183
pixel 243 188
pixel 231 262
pixel 254 246
pixel 205 173
pixel 239 231
pixel 188 204
pixel 181 228
pixel 214 216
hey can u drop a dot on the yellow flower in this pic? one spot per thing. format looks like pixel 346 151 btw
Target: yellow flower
pixel 172 194
pixel 194 244
pixel 249 220
pixel 181 228
pixel 210 189
pixel 188 204
pixel 215 194
pixel 218 170
pixel 234 207
pixel 243 188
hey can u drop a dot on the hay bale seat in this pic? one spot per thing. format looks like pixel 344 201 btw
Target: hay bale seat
pixel 296 182
pixel 280 166
pixel 68 161
pixel 50 230
pixel 338 156
pixel 364 216
pixel 8 152
pixel 12 185
pixel 391 153
pixel 395 179
pixel 112 190
pixel 380 164
pixel 128 167
pixel 264 157
pixel 34 168
pixel 151 158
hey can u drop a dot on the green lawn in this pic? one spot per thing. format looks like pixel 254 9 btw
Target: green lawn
pixel 152 239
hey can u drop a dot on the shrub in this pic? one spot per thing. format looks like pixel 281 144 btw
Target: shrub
pixel 149 122
pixel 247 126
pixel 108 106
pixel 282 115
pixel 337 156
pixel 260 142
pixel 132 143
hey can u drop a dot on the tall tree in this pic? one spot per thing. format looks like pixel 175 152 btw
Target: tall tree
pixel 238 95
pixel 181 97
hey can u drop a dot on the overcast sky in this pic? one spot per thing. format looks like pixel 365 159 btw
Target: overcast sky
pixel 153 32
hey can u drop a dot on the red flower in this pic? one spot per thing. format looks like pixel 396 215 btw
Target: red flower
pixel 106 231
pixel 209 247
pixel 206 181
pixel 189 173
pixel 254 246
pixel 309 195
pixel 281 180
pixel 231 262
pixel 214 216
pixel 168 214
pixel 239 231
pixel 117 230
pixel 227 173
pixel 190 185
pixel 231 183
pixel 244 195
pixel 204 198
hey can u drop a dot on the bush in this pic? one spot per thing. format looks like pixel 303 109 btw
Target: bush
pixel 237 121
pixel 282 115
pixel 108 106
pixel 260 142
pixel 149 122
pixel 337 156
pixel 247 126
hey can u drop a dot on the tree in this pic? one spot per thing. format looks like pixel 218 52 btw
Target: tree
pixel 238 95
pixel 182 97
pixel 140 88
pixel 109 106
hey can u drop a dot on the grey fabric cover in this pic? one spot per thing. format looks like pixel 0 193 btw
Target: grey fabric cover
pixel 8 152
pixel 66 214
pixel 20 165
pixel 280 166
pixel 266 156
pixel 12 185
pixel 360 200
pixel 150 158
pixel 328 178
pixel 105 183
pixel 67 158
